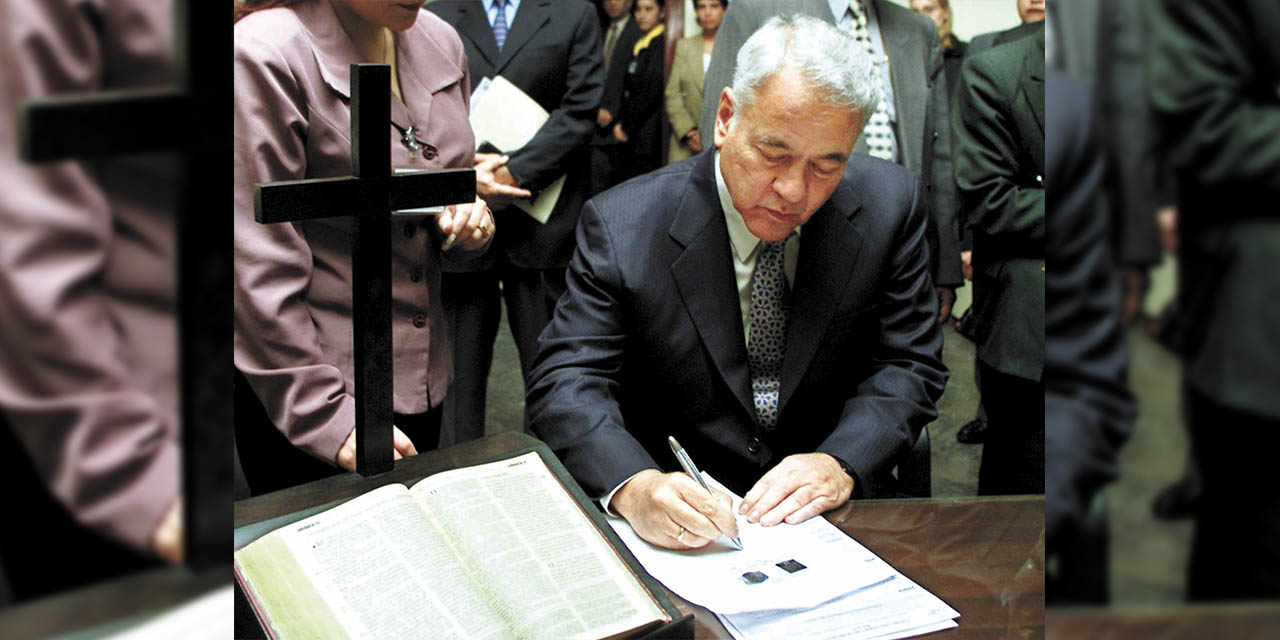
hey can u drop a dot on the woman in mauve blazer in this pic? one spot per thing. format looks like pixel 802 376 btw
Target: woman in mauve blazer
pixel 293 281
pixel 684 87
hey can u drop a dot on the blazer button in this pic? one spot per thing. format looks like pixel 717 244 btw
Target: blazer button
pixel 420 320
pixel 409 230
pixel 415 274
pixel 753 447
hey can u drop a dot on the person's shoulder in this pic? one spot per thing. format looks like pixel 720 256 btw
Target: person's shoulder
pixel 895 14
pixel 271 34
pixel 887 189
pixel 439 32
pixel 646 201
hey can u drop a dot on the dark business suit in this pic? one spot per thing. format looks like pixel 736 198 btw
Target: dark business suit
pixel 1088 411
pixel 920 98
pixel 1215 88
pixel 999 127
pixel 606 150
pixel 649 341
pixel 552 53
pixel 642 110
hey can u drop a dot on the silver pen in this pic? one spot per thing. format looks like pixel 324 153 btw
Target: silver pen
pixel 687 464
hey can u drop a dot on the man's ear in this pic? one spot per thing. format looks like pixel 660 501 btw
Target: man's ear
pixel 724 113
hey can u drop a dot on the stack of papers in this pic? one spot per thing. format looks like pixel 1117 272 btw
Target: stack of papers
pixel 808 580
pixel 507 118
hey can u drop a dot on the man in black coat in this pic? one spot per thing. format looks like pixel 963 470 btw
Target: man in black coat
pixel 999 134
pixel 551 51
pixel 690 284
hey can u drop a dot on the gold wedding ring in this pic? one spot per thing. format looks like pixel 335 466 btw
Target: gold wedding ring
pixel 484 229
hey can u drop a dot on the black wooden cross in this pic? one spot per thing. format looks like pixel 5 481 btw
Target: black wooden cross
pixel 369 195
pixel 194 118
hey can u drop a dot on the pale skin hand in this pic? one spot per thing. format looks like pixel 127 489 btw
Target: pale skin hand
pixel 166 540
pixel 402 446
pixel 603 117
pixel 800 487
pixel 619 134
pixel 494 182
pixel 966 264
pixel 695 140
pixel 946 298
pixel 471 225
pixel 657 504
pixel 1167 219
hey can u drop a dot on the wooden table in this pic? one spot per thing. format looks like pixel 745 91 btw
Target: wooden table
pixel 983 556
pixel 1189 622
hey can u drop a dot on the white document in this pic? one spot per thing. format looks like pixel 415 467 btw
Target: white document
pixel 893 608
pixel 507 118
pixel 779 567
pixel 207 616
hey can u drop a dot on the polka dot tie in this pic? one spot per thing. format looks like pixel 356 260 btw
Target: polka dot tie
pixel 768 334
pixel 879 131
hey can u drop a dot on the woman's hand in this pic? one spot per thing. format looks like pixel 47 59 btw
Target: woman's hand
pixel 469 226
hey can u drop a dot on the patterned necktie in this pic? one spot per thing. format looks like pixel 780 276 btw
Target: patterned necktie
pixel 500 23
pixel 879 131
pixel 768 333
pixel 610 41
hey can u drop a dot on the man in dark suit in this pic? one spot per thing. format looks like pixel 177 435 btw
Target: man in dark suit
pixel 999 129
pixel 1215 89
pixel 1030 13
pixel 621 35
pixel 916 104
pixel 551 51
pixel 691 284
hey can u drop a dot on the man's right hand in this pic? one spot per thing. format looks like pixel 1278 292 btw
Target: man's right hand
pixel 660 506
pixel 494 183
pixel 402 446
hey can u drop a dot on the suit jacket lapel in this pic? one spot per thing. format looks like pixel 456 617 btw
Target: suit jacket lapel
pixel 829 247
pixel 704 276
pixel 529 18
pixel 474 26
pixel 909 89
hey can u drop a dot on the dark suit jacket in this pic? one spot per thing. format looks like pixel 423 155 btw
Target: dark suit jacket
pixel 920 101
pixel 1215 86
pixel 552 53
pixel 648 341
pixel 611 96
pixel 999 127
pixel 642 109
pixel 1088 411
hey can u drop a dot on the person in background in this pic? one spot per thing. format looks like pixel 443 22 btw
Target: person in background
pixel 953 48
pixel 1214 86
pixel 684 88
pixel 295 417
pixel 556 62
pixel 639 125
pixel 620 36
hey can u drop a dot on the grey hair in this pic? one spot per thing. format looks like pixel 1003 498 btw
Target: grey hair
pixel 832 62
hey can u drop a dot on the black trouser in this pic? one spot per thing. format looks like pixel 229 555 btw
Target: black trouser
pixel 1013 453
pixel 271 462
pixel 1235 550
pixel 43 549
pixel 471 301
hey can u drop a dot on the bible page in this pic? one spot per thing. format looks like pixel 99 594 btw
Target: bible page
pixel 548 570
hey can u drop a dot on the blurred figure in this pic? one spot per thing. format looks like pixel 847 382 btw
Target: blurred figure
pixel 88 341
pixel 999 133
pixel 1030 12
pixel 1088 412
pixel 620 37
pixel 639 125
pixel 953 48
pixel 525 267
pixel 684 88
pixel 1215 88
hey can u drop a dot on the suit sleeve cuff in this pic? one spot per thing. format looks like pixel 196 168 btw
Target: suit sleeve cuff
pixel 608 498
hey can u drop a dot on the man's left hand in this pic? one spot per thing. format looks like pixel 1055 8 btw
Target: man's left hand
pixel 946 298
pixel 800 487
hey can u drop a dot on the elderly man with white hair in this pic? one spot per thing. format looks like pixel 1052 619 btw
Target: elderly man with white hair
pixel 768 304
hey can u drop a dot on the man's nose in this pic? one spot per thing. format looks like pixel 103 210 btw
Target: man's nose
pixel 790 185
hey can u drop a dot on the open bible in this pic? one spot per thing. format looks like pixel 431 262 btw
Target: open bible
pixel 498 550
